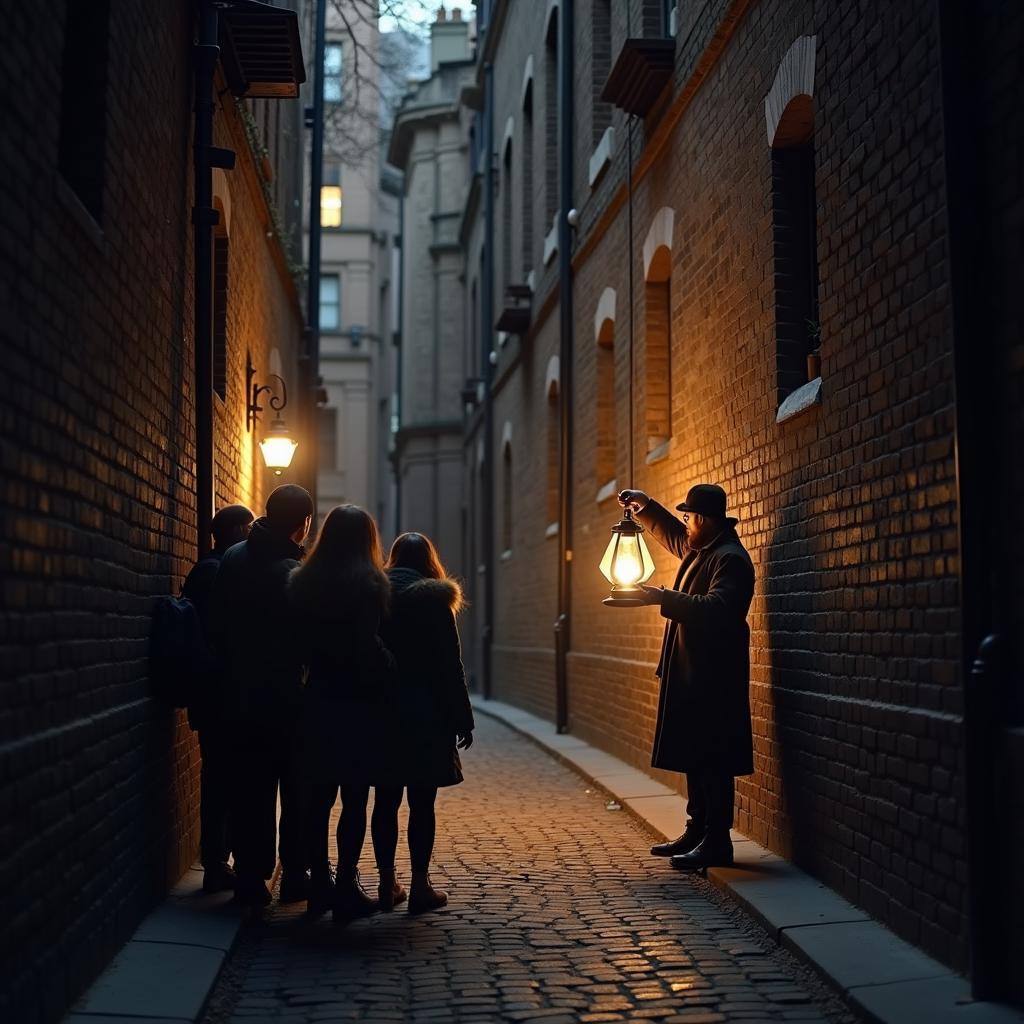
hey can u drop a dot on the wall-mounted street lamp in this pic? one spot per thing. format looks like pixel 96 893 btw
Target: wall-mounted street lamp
pixel 627 563
pixel 278 447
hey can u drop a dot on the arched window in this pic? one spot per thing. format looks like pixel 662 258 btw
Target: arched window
pixel 221 264
pixel 506 217
pixel 658 332
pixel 601 66
pixel 551 121
pixel 604 410
pixel 789 112
pixel 526 178
pixel 507 506
pixel 553 448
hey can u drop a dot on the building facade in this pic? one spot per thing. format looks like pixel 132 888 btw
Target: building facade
pixel 429 146
pixel 358 290
pixel 781 292
pixel 99 456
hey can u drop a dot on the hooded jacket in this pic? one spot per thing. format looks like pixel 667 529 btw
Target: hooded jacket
pixel 434 706
pixel 252 630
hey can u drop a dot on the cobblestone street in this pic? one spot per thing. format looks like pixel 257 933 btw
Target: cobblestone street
pixel 557 913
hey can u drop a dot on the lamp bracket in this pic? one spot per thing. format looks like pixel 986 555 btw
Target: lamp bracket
pixel 277 402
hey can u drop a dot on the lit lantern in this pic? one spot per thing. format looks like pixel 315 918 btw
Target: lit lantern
pixel 278 447
pixel 627 563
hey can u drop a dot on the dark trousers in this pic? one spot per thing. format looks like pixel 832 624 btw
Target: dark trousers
pixel 262 763
pixel 214 797
pixel 709 801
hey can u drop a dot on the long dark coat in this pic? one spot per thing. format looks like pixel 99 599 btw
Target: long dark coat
pixel 704 704
pixel 349 707
pixel 433 700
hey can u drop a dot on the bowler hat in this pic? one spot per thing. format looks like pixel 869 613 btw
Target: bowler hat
pixel 706 500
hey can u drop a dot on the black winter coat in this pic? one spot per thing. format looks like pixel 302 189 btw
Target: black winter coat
pixel 704 703
pixel 252 631
pixel 433 701
pixel 204 709
pixel 349 703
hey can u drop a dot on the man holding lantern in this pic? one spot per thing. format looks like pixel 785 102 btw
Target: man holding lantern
pixel 703 727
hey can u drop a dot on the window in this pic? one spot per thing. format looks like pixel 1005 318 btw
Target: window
pixel 506 494
pixel 526 181
pixel 220 314
pixel 601 66
pixel 605 409
pixel 794 225
pixel 332 73
pixel 551 122
pixel 658 350
pixel 331 197
pixel 330 302
pixel 554 444
pixel 328 439
pixel 506 217
pixel 83 102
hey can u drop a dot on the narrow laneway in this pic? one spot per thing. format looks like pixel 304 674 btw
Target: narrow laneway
pixel 557 913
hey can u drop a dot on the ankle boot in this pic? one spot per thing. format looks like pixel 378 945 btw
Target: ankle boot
pixel 684 844
pixel 390 891
pixel 321 893
pixel 423 896
pixel 714 852
pixel 351 899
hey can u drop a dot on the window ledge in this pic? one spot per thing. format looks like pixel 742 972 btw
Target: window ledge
pixel 502 339
pixel 805 397
pixel 79 213
pixel 602 155
pixel 506 555
pixel 552 530
pixel 658 452
pixel 551 242
pixel 609 490
pixel 531 281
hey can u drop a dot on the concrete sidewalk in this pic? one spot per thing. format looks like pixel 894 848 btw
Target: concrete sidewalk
pixel 168 969
pixel 884 978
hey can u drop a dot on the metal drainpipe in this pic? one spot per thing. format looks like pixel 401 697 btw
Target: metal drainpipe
pixel 316 178
pixel 982 583
pixel 398 360
pixel 204 218
pixel 487 343
pixel 565 362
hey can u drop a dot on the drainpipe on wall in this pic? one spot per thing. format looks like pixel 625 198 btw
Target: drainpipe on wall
pixel 204 219
pixel 983 586
pixel 316 177
pixel 566 120
pixel 487 343
pixel 398 362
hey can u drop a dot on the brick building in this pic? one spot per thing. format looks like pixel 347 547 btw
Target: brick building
pixel 98 456
pixel 823 216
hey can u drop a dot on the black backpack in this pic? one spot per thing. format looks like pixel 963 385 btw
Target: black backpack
pixel 178 656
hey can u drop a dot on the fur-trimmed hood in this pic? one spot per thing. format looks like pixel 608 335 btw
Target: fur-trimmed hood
pixel 409 588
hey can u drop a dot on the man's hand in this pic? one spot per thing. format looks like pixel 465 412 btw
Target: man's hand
pixel 464 740
pixel 652 595
pixel 633 500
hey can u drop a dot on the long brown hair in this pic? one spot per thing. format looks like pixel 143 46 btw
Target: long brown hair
pixel 417 552
pixel 345 564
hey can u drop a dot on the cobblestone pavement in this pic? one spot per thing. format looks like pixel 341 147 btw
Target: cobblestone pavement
pixel 557 913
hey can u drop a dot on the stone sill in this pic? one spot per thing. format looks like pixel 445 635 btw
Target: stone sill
pixel 552 530
pixel 609 490
pixel 658 452
pixel 798 402
pixel 551 242
pixel 506 555
pixel 602 155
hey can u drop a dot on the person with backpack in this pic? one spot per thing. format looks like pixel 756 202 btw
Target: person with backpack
pixel 252 629
pixel 230 526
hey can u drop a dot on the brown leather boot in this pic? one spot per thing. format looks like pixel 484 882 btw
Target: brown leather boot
pixel 423 895
pixel 351 900
pixel 390 891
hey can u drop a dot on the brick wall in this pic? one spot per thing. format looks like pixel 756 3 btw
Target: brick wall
pixel 848 511
pixel 97 488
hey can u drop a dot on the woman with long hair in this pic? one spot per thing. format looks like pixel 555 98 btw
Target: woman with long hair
pixel 340 595
pixel 435 716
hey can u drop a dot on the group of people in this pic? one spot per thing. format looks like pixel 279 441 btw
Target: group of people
pixel 332 672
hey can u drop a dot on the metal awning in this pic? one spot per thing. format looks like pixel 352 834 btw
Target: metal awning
pixel 260 49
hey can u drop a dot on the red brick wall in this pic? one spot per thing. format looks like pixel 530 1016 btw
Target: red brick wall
pixel 97 489
pixel 848 511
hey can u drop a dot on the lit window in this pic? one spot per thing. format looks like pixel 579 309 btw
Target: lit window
pixel 330 302
pixel 332 73
pixel 331 197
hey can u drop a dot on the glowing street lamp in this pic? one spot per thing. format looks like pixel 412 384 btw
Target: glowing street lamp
pixel 627 563
pixel 278 447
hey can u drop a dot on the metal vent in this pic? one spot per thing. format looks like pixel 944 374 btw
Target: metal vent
pixel 260 50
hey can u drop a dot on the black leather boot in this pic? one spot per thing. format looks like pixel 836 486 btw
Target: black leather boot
pixel 715 851
pixel 684 844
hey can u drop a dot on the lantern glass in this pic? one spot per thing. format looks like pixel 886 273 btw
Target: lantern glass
pixel 278 449
pixel 627 563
